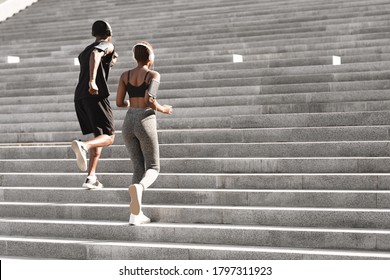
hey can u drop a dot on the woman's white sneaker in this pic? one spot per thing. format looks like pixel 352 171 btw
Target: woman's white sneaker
pixel 139 219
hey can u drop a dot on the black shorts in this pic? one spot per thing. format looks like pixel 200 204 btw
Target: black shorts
pixel 95 116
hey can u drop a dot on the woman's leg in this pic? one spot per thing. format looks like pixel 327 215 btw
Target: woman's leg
pixel 149 178
pixel 137 159
pixel 147 135
pixel 150 149
pixel 135 190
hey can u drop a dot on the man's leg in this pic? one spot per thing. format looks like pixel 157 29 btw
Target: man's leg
pixel 95 150
pixel 81 148
pixel 103 140
pixel 95 147
pixel 94 156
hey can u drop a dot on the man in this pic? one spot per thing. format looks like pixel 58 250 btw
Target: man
pixel 91 101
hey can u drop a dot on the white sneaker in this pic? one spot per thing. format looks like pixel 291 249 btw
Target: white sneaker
pixel 92 185
pixel 135 191
pixel 139 219
pixel 81 154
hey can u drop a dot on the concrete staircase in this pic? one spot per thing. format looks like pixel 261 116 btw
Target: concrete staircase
pixel 282 156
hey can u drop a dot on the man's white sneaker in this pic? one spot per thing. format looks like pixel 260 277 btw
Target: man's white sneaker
pixel 92 185
pixel 81 154
pixel 135 191
pixel 139 219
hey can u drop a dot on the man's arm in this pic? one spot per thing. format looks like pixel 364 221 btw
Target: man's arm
pixel 102 49
pixel 94 61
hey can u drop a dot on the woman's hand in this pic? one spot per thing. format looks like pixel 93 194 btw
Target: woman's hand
pixel 167 109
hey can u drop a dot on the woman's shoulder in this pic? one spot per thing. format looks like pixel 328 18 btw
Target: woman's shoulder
pixel 154 74
pixel 125 73
pixel 124 76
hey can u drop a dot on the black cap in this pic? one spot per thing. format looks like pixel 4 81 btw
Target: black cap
pixel 101 28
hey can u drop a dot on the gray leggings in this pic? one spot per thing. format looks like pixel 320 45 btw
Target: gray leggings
pixel 139 132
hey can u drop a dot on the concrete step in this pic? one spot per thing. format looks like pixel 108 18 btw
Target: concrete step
pixel 248 16
pixel 209 60
pixel 98 250
pixel 236 181
pixel 341 80
pixel 214 165
pixel 201 69
pixel 269 46
pixel 282 156
pixel 209 42
pixel 215 197
pixel 235 215
pixel 341 14
pixel 38 137
pixel 44 104
pixel 192 8
pixel 365 239
pixel 203 60
pixel 219 150
pixel 256 135
pixel 259 135
pixel 18 106
pixel 173 123
pixel 238 121
pixel 28 114
pixel 312 34
pixel 223 82
pixel 173 93
pixel 336 13
pixel 232 70
pixel 310 120
pixel 213 8
pixel 69 78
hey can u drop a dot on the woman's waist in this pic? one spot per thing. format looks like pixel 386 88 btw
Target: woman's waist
pixel 140 112
pixel 139 109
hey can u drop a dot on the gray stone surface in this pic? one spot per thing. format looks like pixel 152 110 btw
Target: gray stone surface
pixel 282 156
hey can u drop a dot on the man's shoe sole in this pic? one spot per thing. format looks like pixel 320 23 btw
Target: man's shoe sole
pixel 81 161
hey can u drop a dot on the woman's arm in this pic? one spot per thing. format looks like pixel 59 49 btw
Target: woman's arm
pixel 121 92
pixel 152 102
pixel 166 109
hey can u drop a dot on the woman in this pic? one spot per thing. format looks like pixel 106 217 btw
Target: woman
pixel 139 128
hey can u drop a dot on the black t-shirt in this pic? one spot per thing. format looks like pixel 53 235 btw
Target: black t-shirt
pixel 82 89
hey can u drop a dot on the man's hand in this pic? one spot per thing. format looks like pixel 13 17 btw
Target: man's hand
pixel 93 88
pixel 114 59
